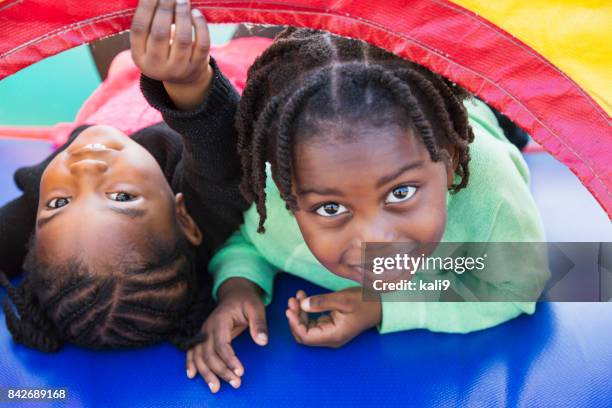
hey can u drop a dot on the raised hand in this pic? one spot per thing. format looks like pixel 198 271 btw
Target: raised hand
pixel 171 43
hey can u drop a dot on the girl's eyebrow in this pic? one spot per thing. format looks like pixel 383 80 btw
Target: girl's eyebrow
pixel 320 191
pixel 390 177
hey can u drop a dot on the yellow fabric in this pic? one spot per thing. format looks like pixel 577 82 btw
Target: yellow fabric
pixel 574 35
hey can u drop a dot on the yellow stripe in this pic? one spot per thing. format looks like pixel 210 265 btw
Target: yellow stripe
pixel 573 35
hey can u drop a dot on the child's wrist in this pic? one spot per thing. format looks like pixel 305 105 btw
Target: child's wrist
pixel 238 287
pixel 188 95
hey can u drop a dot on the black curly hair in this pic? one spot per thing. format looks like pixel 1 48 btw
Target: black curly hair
pixel 137 303
pixel 309 77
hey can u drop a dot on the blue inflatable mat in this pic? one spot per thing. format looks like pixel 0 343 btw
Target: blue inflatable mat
pixel 559 357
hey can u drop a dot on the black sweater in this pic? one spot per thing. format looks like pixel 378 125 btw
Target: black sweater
pixel 196 151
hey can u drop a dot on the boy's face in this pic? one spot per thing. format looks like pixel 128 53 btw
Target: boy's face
pixel 380 186
pixel 102 197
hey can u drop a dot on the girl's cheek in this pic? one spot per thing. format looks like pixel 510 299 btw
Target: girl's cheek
pixel 425 223
pixel 325 244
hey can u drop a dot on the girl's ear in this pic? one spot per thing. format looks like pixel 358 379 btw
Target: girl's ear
pixel 452 162
pixel 186 223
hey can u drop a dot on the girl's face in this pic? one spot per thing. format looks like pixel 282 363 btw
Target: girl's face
pixel 380 186
pixel 101 195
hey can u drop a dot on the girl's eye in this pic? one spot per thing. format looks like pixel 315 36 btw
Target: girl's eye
pixel 121 196
pixel 331 209
pixel 58 202
pixel 400 194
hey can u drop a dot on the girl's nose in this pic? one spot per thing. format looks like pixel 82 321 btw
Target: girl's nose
pixel 377 231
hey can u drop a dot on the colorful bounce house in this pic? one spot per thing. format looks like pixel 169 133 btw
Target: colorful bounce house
pixel 544 64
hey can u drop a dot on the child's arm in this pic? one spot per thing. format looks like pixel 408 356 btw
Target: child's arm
pixel 243 282
pixel 196 100
pixel 238 258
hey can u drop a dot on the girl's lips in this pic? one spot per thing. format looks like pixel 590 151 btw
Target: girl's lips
pixel 90 148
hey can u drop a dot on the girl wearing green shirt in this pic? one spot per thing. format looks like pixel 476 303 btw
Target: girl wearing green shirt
pixel 344 143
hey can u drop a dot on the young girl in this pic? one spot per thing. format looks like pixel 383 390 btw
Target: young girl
pixel 363 146
pixel 122 228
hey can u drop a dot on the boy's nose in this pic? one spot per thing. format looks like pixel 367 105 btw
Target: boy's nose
pixel 88 166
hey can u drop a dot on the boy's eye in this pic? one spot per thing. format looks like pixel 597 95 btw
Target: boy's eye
pixel 331 209
pixel 401 193
pixel 58 202
pixel 121 196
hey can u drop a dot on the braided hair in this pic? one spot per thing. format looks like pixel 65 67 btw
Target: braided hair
pixel 309 77
pixel 136 304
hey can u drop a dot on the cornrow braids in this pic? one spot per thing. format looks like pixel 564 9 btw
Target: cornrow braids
pixel 135 305
pixel 308 77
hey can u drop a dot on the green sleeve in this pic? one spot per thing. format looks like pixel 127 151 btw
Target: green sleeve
pixel 238 258
pixel 522 282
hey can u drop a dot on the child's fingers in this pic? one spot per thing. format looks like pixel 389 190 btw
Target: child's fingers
pixel 201 47
pixel 303 315
pixel 321 333
pixel 180 51
pixel 141 24
pixel 222 339
pixel 218 366
pixel 158 43
pixel 329 301
pixel 298 329
pixel 190 363
pixel 293 304
pixel 211 379
pixel 256 315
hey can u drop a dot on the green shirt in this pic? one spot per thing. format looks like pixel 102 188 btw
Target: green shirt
pixel 496 206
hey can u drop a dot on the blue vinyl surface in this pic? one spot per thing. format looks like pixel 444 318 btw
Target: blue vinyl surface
pixel 559 357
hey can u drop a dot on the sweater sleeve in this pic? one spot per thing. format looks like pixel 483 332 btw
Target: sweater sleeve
pixel 239 258
pixel 17 220
pixel 211 173
pixel 516 276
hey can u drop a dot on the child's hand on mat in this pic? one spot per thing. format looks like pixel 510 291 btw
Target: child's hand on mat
pixel 173 54
pixel 348 317
pixel 240 307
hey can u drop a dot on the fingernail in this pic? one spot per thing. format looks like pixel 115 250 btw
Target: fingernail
pixel 181 1
pixel 238 372
pixel 196 13
pixel 306 304
pixel 263 337
pixel 234 383
pixel 189 374
pixel 211 386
